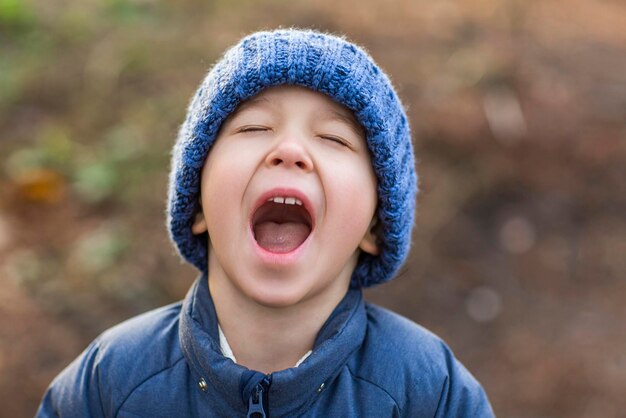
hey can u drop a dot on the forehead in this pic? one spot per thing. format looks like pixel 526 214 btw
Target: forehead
pixel 284 95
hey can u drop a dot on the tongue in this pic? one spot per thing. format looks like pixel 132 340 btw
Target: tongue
pixel 280 237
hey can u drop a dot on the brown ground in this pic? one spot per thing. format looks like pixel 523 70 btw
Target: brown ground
pixel 518 110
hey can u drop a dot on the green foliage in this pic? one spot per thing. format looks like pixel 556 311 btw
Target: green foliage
pixel 15 15
pixel 102 174
pixel 103 170
pixel 100 249
pixel 96 181
pixel 53 149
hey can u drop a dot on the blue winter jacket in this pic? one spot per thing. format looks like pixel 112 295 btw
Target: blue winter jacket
pixel 366 362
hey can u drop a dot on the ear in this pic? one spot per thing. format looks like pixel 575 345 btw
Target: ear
pixel 199 225
pixel 369 243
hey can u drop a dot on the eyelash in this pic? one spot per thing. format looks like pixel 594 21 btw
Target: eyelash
pixel 253 129
pixel 336 139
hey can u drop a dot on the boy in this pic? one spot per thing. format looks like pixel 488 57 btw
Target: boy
pixel 292 187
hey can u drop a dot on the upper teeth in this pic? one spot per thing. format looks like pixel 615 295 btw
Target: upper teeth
pixel 285 200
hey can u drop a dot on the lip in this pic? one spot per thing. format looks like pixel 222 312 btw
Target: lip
pixel 281 258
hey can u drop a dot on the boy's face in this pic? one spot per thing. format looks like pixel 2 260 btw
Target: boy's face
pixel 288 198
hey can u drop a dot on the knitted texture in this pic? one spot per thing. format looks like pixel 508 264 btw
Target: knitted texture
pixel 323 63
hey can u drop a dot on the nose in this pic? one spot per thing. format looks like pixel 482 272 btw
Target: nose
pixel 289 152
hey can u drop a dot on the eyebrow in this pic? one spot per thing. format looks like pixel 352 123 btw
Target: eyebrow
pixel 349 119
pixel 247 103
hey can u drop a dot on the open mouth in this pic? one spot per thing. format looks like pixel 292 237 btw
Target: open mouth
pixel 281 224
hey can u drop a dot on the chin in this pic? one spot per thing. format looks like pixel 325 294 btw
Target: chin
pixel 279 296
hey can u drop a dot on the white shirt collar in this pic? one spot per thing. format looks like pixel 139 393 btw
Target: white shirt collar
pixel 228 352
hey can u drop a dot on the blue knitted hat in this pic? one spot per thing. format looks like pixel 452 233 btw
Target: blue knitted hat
pixel 326 64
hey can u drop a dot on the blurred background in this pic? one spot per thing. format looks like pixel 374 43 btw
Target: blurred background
pixel 519 116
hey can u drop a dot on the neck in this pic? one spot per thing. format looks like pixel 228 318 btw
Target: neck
pixel 263 338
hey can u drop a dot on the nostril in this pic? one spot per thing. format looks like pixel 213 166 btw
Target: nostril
pixel 279 161
pixel 289 154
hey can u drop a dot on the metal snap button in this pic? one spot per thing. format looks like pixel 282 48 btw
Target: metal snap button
pixel 202 385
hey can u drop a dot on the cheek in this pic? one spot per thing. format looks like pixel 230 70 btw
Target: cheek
pixel 354 198
pixel 222 188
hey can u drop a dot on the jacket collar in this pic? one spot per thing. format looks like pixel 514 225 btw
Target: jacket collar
pixel 292 390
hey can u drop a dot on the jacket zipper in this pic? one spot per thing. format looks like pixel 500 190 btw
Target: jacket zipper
pixel 258 395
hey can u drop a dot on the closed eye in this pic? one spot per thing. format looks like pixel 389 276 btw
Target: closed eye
pixel 339 140
pixel 253 128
